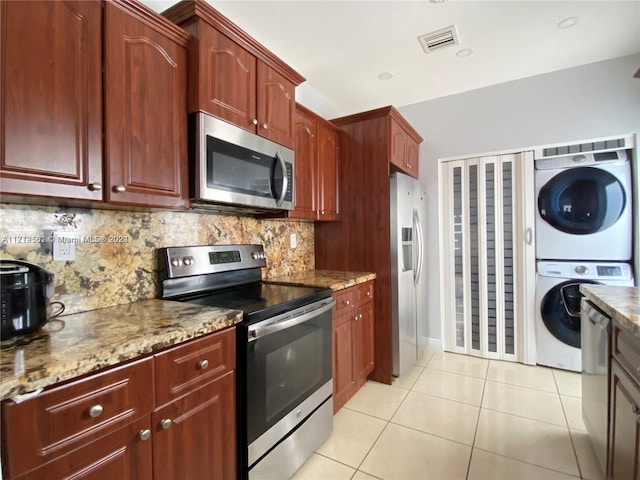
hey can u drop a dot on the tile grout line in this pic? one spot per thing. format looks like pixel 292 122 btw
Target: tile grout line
pixel 475 433
pixel 573 445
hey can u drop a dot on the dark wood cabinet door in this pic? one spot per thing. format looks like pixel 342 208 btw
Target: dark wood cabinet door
pixel 305 167
pixel 145 113
pixel 51 99
pixel 328 174
pixel 343 358
pixel 194 437
pixel 276 106
pixel 413 162
pixel 121 455
pixel 624 426
pixel 65 418
pixel 398 146
pixel 227 79
pixel 364 361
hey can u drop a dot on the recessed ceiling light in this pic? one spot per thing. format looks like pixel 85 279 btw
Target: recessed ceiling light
pixel 465 52
pixel 568 22
pixel 385 76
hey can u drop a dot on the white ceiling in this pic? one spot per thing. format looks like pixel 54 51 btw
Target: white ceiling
pixel 340 47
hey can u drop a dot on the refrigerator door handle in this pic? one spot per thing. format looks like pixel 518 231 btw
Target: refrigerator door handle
pixel 420 240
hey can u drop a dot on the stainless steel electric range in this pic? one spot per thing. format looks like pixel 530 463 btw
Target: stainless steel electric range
pixel 284 351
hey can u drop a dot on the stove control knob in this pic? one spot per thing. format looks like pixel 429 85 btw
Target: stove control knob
pixel 582 270
pixel 176 262
pixel 187 261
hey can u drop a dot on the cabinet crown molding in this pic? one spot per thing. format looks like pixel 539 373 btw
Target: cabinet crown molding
pixel 388 111
pixel 153 20
pixel 187 11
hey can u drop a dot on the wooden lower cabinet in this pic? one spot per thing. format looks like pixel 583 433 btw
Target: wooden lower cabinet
pixel 624 427
pixel 120 455
pixel 109 426
pixel 194 437
pixel 353 341
pixel 623 459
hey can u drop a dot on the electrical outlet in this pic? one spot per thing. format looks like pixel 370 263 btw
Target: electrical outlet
pixel 293 241
pixel 64 246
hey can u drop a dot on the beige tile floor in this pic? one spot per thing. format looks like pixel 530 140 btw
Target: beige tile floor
pixel 459 417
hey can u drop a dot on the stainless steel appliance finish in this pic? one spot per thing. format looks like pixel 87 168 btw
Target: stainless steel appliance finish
pixel 407 261
pixel 25 289
pixel 596 338
pixel 284 352
pixel 233 167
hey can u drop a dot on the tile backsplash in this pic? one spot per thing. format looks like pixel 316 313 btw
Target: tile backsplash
pixel 115 254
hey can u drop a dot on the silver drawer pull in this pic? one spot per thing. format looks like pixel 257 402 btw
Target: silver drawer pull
pixel 96 411
pixel 347 302
pixel 145 434
pixel 264 126
pixel 368 293
pixel 202 364
pixel 95 186
pixel 119 189
pixel 165 423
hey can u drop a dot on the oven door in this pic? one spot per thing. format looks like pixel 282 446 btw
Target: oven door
pixel 288 373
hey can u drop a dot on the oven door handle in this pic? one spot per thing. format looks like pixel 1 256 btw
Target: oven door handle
pixel 256 331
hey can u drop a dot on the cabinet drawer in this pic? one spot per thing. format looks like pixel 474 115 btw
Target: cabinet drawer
pixel 191 365
pixel 365 293
pixel 626 351
pixel 67 417
pixel 345 300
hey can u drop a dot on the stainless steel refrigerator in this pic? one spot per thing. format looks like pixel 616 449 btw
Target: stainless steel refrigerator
pixel 407 263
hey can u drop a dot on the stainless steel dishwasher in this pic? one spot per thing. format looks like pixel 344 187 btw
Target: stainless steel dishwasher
pixel 596 341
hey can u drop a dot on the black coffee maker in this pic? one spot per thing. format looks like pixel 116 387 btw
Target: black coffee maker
pixel 25 289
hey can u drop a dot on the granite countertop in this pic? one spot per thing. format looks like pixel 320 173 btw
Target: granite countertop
pixel 620 303
pixel 333 279
pixel 80 343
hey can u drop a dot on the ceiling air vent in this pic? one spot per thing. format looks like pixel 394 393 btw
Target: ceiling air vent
pixel 439 39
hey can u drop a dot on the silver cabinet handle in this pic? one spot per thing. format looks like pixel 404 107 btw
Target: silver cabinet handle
pixel 368 294
pixel 254 121
pixel 95 186
pixel 264 126
pixel 202 364
pixel 528 236
pixel 145 434
pixel 119 189
pixel 165 423
pixel 347 302
pixel 96 411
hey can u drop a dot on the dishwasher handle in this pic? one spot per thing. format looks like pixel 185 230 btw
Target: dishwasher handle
pixel 595 316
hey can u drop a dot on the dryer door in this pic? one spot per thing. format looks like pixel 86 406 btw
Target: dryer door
pixel 560 311
pixel 582 201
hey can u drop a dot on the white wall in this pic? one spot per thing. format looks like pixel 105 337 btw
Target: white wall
pixel 591 101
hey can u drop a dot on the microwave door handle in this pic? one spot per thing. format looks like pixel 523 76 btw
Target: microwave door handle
pixel 285 180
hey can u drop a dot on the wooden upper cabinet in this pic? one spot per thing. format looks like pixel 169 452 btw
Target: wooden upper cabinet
pixel 235 78
pixel 403 149
pixel 226 85
pixel 306 137
pixel 145 110
pixel 276 98
pixel 51 99
pixel 328 173
pixel 317 166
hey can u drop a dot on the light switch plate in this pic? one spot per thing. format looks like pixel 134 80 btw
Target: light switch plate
pixel 293 241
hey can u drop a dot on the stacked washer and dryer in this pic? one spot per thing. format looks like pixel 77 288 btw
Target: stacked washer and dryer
pixel 584 234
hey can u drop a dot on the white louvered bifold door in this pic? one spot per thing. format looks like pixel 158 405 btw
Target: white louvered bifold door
pixel 488 256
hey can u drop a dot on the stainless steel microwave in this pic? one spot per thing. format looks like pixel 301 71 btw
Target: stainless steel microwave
pixel 231 168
